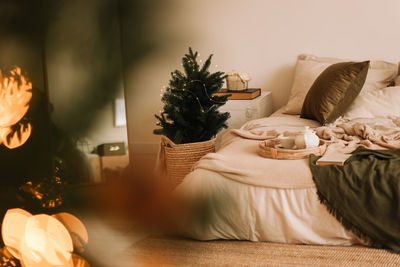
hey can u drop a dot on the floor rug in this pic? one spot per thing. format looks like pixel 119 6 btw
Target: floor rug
pixel 158 251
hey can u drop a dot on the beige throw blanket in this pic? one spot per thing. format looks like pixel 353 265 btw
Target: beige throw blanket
pixel 238 158
pixel 346 137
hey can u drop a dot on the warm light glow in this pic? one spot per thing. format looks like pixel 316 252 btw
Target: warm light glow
pixel 46 243
pixel 13 139
pixel 15 94
pixel 76 228
pixel 43 240
pixel 13 229
pixel 79 261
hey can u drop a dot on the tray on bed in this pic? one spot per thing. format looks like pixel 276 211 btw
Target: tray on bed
pixel 269 149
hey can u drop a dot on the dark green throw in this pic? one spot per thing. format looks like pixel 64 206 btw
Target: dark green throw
pixel 364 194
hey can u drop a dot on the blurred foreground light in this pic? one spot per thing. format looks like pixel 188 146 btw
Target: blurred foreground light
pixel 43 240
pixel 15 138
pixel 46 242
pixel 78 261
pixel 13 228
pixel 15 95
pixel 76 229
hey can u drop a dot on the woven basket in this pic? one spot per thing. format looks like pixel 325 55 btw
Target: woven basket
pixel 179 159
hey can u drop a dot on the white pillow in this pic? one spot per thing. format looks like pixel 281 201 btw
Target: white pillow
pixel 375 103
pixel 309 67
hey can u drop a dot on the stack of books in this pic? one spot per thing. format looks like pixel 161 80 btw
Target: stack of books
pixel 246 94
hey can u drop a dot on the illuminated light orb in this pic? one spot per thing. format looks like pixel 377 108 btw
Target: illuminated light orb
pixel 15 95
pixel 79 261
pixel 46 242
pixel 76 228
pixel 13 229
pixel 43 240
pixel 14 139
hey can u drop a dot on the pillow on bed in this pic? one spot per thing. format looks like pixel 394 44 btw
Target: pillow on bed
pixel 377 103
pixel 397 80
pixel 309 67
pixel 334 90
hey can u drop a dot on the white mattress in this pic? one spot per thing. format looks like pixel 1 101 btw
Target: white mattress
pixel 235 210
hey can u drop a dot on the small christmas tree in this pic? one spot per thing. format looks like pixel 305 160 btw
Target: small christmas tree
pixel 190 109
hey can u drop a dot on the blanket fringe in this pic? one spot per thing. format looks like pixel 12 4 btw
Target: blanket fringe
pixel 348 225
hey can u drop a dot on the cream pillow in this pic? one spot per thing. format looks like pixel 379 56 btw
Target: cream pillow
pixel 397 80
pixel 375 103
pixel 309 67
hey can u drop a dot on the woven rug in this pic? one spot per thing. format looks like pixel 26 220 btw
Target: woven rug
pixel 157 251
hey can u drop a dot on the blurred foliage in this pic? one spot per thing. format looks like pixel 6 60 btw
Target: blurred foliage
pixel 32 22
pixel 124 29
pixel 27 19
pixel 122 36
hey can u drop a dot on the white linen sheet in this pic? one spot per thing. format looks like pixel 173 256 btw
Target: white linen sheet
pixel 235 209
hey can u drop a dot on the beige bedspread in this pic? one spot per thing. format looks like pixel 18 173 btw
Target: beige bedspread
pixel 238 158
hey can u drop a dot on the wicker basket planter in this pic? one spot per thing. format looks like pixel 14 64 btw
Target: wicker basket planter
pixel 180 158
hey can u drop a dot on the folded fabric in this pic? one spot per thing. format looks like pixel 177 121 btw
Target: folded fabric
pixel 346 137
pixel 364 194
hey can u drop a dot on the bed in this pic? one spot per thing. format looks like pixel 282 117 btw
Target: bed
pixel 237 194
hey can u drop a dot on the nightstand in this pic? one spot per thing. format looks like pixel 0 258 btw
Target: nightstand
pixel 245 110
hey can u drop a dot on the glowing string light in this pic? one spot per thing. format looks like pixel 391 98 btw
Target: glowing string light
pixel 15 95
pixel 43 240
pixel 205 91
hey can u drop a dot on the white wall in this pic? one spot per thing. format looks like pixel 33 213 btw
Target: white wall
pixel 261 37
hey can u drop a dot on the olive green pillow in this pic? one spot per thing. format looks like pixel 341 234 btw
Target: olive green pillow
pixel 334 90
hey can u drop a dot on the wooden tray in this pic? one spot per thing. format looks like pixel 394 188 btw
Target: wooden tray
pixel 268 149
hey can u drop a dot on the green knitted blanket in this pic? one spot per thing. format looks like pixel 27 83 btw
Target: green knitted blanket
pixel 364 194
